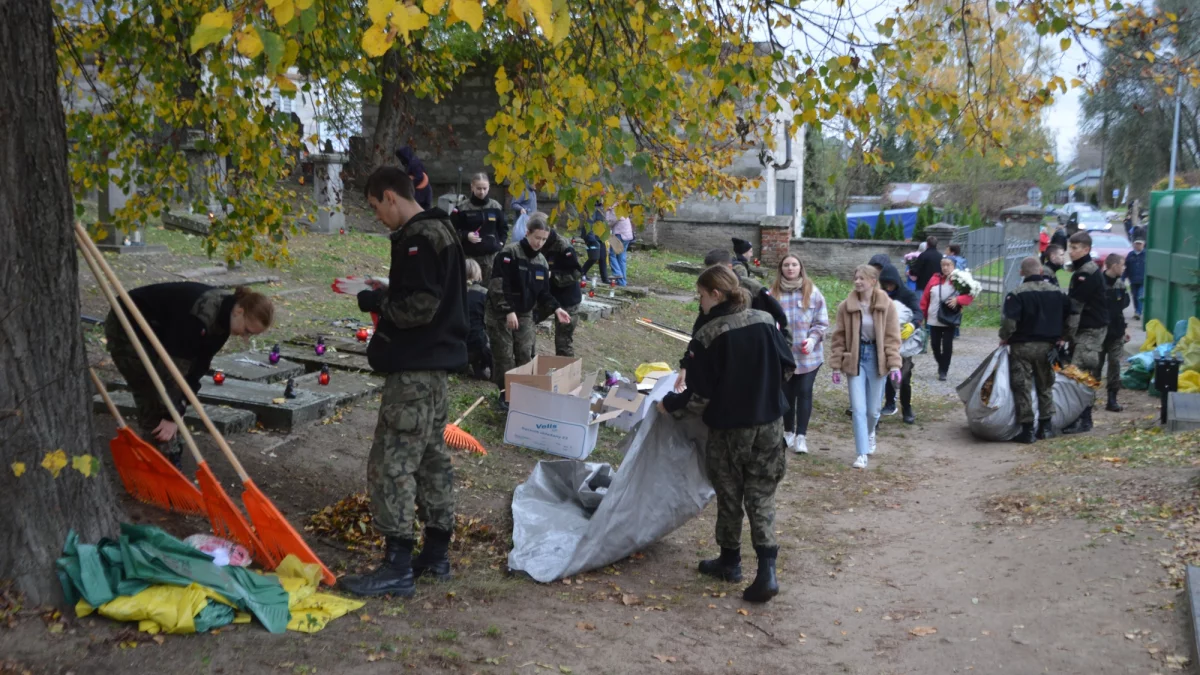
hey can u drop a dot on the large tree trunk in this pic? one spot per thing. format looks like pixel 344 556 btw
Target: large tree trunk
pixel 45 404
pixel 393 107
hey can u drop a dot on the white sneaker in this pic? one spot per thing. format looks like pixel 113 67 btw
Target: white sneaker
pixel 861 462
pixel 801 445
pixel 871 442
pixel 789 439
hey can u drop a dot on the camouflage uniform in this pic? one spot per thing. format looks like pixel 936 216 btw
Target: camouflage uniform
pixel 745 467
pixel 1029 365
pixel 510 348
pixel 1088 342
pixel 150 407
pixel 1032 321
pixel 1089 346
pixel 519 284
pixel 409 463
pixel 565 273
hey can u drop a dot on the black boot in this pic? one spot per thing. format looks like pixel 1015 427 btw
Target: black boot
pixel 909 417
pixel 728 567
pixel 888 409
pixel 434 560
pixel 500 404
pixel 1026 435
pixel 765 586
pixel 393 577
pixel 1081 425
pixel 1045 429
pixel 1113 406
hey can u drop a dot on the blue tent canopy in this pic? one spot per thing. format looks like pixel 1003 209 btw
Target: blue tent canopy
pixel 906 217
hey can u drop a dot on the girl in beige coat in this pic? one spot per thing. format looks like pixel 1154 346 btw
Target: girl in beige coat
pixel 865 345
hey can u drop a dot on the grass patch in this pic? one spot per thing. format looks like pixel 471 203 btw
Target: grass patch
pixel 447 635
pixel 1133 447
pixel 649 268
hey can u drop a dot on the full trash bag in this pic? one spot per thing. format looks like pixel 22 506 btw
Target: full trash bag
pixel 992 410
pixel 570 517
pixel 1136 377
pixel 1156 334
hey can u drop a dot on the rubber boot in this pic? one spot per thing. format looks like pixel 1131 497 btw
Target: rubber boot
pixel 1113 406
pixel 909 417
pixel 728 567
pixel 1045 429
pixel 393 577
pixel 434 560
pixel 1081 425
pixel 765 585
pixel 500 404
pixel 1027 435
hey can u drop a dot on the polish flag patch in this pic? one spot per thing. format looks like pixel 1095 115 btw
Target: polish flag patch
pixel 508 260
pixel 412 250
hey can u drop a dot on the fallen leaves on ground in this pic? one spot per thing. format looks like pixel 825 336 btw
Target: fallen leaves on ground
pixel 583 625
pixel 922 631
pixel 629 599
pixel 665 659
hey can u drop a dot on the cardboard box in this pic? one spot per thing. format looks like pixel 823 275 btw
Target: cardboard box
pixel 560 423
pixel 634 402
pixel 555 374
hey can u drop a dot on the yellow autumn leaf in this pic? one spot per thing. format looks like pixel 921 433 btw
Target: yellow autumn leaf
pixel 284 84
pixel 562 27
pixel 503 84
pixel 18 469
pixel 377 40
pixel 407 18
pixel 302 5
pixel 516 12
pixel 614 122
pixel 284 12
pixel 542 12
pixel 248 43
pixel 1048 158
pixel 213 28
pixel 378 10
pixel 54 462
pixel 433 7
pixel 85 464
pixel 469 11
pixel 292 50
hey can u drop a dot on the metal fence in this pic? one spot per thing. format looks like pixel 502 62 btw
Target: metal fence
pixel 994 260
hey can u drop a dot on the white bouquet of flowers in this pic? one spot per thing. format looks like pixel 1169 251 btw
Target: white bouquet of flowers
pixel 964 283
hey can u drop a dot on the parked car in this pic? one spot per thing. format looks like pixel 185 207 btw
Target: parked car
pixel 1090 221
pixel 1104 243
pixel 1064 214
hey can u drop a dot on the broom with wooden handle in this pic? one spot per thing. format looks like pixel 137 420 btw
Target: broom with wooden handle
pixel 227 521
pixel 147 475
pixel 457 438
pixel 271 526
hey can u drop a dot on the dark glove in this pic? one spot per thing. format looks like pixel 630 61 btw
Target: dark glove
pixel 368 300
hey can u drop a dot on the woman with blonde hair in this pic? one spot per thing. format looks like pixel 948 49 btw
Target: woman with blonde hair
pixel 808 321
pixel 865 346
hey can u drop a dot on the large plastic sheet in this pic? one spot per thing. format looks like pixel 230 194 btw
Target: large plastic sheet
pixel 570 517
pixel 996 420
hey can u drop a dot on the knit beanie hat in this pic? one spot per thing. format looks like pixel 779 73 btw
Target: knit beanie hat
pixel 740 246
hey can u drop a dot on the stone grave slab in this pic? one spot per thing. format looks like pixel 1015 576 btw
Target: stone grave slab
pixel 234 282
pixel 341 343
pixel 686 267
pixel 1183 412
pixel 182 219
pixel 347 386
pixel 267 403
pixel 227 420
pixel 590 310
pixel 236 367
pixel 200 272
pixel 308 358
pixel 634 291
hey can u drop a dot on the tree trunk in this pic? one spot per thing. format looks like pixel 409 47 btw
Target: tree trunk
pixel 45 403
pixel 393 106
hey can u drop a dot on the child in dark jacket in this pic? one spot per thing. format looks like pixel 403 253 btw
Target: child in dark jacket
pixel 479 349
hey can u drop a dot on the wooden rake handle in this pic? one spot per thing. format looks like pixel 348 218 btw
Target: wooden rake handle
pixel 468 412
pixel 186 389
pixel 112 407
pixel 90 255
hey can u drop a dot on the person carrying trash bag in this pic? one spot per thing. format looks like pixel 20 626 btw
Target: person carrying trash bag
pixel 1088 324
pixel 739 362
pixel 1031 325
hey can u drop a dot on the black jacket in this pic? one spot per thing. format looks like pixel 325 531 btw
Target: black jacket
pixel 902 292
pixel 520 282
pixel 191 320
pixel 760 299
pixel 423 311
pixel 739 362
pixel 476 307
pixel 1087 295
pixel 565 270
pixel 484 217
pixel 925 266
pixel 1035 311
pixel 1050 271
pixel 1059 238
pixel 1117 295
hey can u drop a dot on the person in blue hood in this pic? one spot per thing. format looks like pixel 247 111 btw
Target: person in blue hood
pixel 891 282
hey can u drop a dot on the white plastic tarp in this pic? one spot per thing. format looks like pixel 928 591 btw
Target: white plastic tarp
pixel 570 516
pixel 997 419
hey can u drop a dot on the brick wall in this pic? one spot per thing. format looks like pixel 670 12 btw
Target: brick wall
pixel 775 235
pixel 839 257
pixel 698 238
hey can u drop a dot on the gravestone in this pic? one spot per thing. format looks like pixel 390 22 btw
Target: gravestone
pixel 268 403
pixel 327 192
pixel 1183 412
pixel 310 360
pixel 345 386
pixel 109 198
pixel 237 366
pixel 226 420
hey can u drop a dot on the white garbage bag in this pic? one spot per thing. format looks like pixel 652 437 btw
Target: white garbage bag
pixel 560 530
pixel 995 419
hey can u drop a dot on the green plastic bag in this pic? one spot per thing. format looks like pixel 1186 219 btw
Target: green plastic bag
pixel 1136 377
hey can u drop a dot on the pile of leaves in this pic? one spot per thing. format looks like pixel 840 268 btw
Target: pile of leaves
pixel 347 521
pixel 1078 375
pixel 985 392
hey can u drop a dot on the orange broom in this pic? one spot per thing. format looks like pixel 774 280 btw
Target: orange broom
pixel 271 526
pixel 226 520
pixel 457 438
pixel 147 475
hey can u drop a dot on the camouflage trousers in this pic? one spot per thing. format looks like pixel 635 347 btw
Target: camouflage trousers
pixel 409 473
pixel 150 407
pixel 1089 348
pixel 1113 353
pixel 510 348
pixel 1029 367
pixel 485 266
pixel 745 466
pixel 564 333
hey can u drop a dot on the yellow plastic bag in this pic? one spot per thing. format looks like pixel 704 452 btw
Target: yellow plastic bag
pixel 1192 337
pixel 172 609
pixel 311 611
pixel 647 368
pixel 1190 354
pixel 1189 382
pixel 1156 334
pixel 906 331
